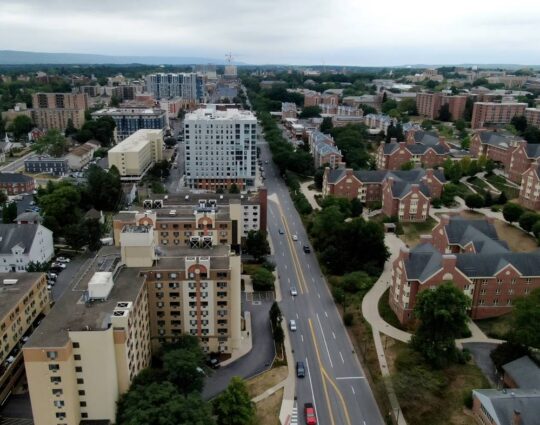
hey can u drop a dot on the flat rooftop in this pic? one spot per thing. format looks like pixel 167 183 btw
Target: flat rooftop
pixel 211 113
pixel 136 141
pixel 129 111
pixel 10 295
pixel 173 257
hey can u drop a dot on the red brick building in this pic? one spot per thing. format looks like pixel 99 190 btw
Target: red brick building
pixel 529 193
pixel 404 194
pixel 521 159
pixel 486 271
pixel 491 114
pixel 429 105
pixel 495 145
pixel 15 183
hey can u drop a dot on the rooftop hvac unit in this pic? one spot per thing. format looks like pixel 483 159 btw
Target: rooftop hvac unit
pixel 147 203
pixel 124 304
pixel 158 203
pixel 120 313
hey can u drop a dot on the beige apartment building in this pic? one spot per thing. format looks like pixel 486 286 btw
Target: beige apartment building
pixel 101 333
pixel 491 114
pixel 24 301
pixel 54 110
pixel 137 154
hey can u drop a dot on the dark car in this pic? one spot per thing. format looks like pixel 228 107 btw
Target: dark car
pixel 300 370
pixel 213 363
pixel 307 249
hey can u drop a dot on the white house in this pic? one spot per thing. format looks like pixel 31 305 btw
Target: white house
pixel 81 155
pixel 21 244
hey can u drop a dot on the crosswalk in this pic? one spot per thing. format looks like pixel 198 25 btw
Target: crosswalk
pixel 294 416
pixel 15 421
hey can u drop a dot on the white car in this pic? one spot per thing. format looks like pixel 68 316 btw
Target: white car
pixel 62 260
pixel 294 292
pixel 292 325
pixel 58 265
pixel 294 237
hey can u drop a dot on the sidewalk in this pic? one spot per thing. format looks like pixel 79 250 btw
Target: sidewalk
pixel 310 194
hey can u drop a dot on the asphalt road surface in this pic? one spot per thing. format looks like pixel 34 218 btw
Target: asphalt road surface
pixel 335 381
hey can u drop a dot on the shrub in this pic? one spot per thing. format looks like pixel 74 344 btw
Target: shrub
pixel 348 319
pixel 468 400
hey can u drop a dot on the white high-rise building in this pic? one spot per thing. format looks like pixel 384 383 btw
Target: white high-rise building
pixel 220 148
pixel 188 86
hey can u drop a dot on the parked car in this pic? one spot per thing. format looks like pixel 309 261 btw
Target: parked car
pixel 281 232
pixel 52 276
pixel 294 237
pixel 294 292
pixel 62 260
pixel 309 413
pixel 58 266
pixel 213 363
pixel 307 249
pixel 300 370
pixel 292 325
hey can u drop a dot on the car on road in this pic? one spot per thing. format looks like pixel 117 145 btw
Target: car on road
pixel 281 232
pixel 266 162
pixel 294 237
pixel 58 266
pixel 52 276
pixel 213 363
pixel 292 325
pixel 306 249
pixel 294 292
pixel 62 260
pixel 300 370
pixel 309 413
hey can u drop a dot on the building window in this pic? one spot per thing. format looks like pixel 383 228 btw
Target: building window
pixel 78 369
pixel 82 392
pixel 54 367
pixel 80 381
pixel 77 357
pixel 76 345
pixel 51 355
pixel 84 415
pixel 56 379
pixel 82 403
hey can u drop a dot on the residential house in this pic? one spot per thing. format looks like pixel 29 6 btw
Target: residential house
pixel 21 244
pixel 288 110
pixel 495 145
pixel 80 156
pixel 379 122
pixel 502 407
pixel 324 150
pixel 46 164
pixel 521 159
pixel 521 373
pixel 15 183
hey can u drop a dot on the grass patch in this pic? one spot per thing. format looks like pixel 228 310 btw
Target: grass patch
pixel 500 183
pixel 250 268
pixel 387 313
pixel 268 409
pixel 412 231
pixel 496 327
pixel 517 239
pixel 260 383
pixel 431 396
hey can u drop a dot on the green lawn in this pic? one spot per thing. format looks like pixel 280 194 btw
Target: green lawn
pixel 412 231
pixel 497 327
pixel 500 183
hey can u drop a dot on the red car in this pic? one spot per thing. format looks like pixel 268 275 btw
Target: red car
pixel 309 413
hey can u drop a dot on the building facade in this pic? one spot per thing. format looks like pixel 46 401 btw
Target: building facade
pixel 38 164
pixel 131 120
pixel 21 244
pixel 137 154
pixel 491 114
pixel 15 183
pixel 521 159
pixel 533 116
pixel 495 145
pixel 429 105
pixel 54 110
pixel 80 156
pixel 220 148
pixel 185 85
pixel 324 150
pixel 529 192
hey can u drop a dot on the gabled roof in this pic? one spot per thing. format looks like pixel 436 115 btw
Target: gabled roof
pixel 497 139
pixel 335 175
pixel 501 405
pixel 524 372
pixel 401 188
pixel 12 235
pixel 389 148
pixel 533 150
pixel 489 264
pixel 481 233
pixel 15 178
pixel 427 138
pixel 424 261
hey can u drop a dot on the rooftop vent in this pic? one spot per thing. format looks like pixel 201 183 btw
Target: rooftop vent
pixel 10 281
pixel 120 313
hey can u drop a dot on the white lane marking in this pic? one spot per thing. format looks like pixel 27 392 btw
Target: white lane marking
pixel 341 355
pixel 311 385
pixel 280 243
pixel 302 337
pixel 319 295
pixel 325 344
pixel 364 422
pixel 313 279
pixel 308 266
pixel 352 388
pixel 285 266
pixel 352 377
pixel 296 315
pixel 289 279
pixel 326 314
pixel 334 335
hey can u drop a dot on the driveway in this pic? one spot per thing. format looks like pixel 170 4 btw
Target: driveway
pixel 17 406
pixel 65 278
pixel 257 360
pixel 480 352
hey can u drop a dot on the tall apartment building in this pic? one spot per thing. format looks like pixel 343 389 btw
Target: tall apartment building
pixel 220 148
pixel 533 116
pixel 491 114
pixel 54 110
pixel 130 120
pixel 197 220
pixel 24 301
pixel 184 85
pixel 137 154
pixel 429 104
pixel 102 333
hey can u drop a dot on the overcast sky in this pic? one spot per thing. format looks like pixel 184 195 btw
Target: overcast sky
pixel 344 32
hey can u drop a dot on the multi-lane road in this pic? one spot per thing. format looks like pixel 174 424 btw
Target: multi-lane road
pixel 335 381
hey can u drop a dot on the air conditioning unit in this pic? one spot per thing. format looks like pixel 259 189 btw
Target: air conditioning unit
pixel 120 313
pixel 124 304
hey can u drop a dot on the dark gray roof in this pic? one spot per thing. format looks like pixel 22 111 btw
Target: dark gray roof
pixel 496 138
pixel 388 148
pixel 335 175
pixel 533 150
pixel 481 233
pixel 485 265
pixel 29 216
pixel 501 405
pixel 14 178
pixel 417 149
pixel 17 234
pixel 400 188
pixel 378 176
pixel 371 176
pixel 424 261
pixel 427 138
pixel 524 372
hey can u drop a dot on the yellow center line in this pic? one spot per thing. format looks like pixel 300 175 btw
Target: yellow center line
pixel 340 395
pixel 325 389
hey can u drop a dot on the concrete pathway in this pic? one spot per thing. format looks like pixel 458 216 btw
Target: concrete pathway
pixel 310 194
pixel 493 189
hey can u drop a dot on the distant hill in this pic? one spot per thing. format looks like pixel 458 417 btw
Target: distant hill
pixel 17 57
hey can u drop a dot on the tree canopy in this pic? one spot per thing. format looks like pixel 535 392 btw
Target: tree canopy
pixel 526 320
pixel 52 143
pixel 234 406
pixel 21 126
pixel 257 245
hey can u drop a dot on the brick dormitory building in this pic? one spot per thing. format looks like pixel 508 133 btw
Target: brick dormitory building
pixel 403 194
pixel 468 253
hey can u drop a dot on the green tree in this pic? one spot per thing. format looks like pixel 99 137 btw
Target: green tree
pixel 318 178
pixel 70 128
pixel 234 406
pixel 104 189
pixel 92 228
pixel 234 188
pixel 263 280
pixel 310 112
pixel 101 129
pixel 536 231
pixel 256 244
pixel 9 213
pixel 427 125
pixel 460 124
pixel 443 318
pixel 356 207
pixel 532 134
pixel 61 207
pixel 502 200
pixel 528 220
pixel 444 113
pixel 161 404
pixel 526 320
pixel 52 143
pixel 20 126
pixel 474 201
pixel 275 315
pixel 115 102
pixel 36 266
pixel 388 105
pixel 183 367
pixel 519 122
pixel 490 166
pixel 507 352
pixel 467 113
pixel 326 125
pixel 407 107
pixel 409 165
pixel 512 212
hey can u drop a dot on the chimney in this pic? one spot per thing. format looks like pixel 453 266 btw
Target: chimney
pixel 429 173
pixel 449 262
pixel 349 172
pixel 393 140
pixel 516 417
pixel 404 253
